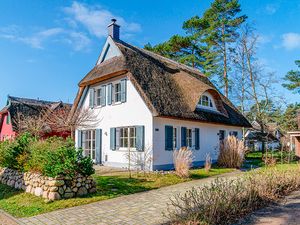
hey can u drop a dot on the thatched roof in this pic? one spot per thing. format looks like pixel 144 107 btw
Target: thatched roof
pixel 29 107
pixel 169 89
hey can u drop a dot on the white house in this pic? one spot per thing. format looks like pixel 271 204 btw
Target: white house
pixel 145 102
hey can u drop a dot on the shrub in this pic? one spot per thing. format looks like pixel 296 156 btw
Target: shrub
pixel 183 159
pixel 208 163
pixel 232 152
pixel 51 157
pixel 14 154
pixel 226 200
pixel 57 156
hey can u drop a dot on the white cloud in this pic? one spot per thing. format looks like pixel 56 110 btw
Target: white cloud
pixel 271 8
pixel 35 40
pixel 291 41
pixel 95 19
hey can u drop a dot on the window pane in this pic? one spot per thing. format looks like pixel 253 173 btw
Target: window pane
pixel 132 142
pixel 125 143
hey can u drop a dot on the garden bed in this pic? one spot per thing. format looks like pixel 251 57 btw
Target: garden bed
pixel 21 204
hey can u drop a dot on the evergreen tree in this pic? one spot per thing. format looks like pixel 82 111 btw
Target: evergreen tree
pixel 293 77
pixel 222 31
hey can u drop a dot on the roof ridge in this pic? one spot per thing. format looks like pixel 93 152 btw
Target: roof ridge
pixel 160 57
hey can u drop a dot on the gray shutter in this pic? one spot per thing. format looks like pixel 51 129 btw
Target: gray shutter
pixel 140 137
pixel 92 96
pixel 79 138
pixel 98 145
pixel 109 94
pixel 117 138
pixel 113 138
pixel 183 136
pixel 168 138
pixel 103 95
pixel 123 90
pixel 197 139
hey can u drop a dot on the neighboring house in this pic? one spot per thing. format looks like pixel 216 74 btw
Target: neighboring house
pixel 295 138
pixel 254 136
pixel 144 102
pixel 27 108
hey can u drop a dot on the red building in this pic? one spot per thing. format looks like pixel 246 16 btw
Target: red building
pixel 27 108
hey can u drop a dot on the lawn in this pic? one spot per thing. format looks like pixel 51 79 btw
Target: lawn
pixel 20 204
pixel 254 159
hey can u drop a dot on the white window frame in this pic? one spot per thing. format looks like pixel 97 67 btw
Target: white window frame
pixel 175 137
pixel 98 96
pixel 130 139
pixel 189 138
pixel 210 102
pixel 117 93
pixel 89 144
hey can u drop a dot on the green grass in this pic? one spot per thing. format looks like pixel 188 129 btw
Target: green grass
pixel 21 204
pixel 254 159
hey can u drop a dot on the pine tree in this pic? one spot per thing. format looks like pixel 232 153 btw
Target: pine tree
pixel 222 30
pixel 293 77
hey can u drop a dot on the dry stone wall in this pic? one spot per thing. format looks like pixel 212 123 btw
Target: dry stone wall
pixel 47 187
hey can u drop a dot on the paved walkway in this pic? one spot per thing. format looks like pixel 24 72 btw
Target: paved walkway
pixel 6 219
pixel 141 208
pixel 285 213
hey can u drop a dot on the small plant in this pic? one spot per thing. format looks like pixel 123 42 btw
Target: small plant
pixel 226 200
pixel 208 163
pixel 232 152
pixel 183 159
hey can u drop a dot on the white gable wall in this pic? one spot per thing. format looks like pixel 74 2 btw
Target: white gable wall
pixel 109 51
pixel 209 140
pixel 133 112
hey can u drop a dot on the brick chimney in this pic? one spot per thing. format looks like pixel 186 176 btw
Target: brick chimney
pixel 114 29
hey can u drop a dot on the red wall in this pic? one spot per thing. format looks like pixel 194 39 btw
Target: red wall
pixel 6 129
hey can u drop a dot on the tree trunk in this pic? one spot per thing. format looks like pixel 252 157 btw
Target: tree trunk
pixel 225 77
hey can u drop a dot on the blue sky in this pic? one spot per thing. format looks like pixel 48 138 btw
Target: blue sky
pixel 46 47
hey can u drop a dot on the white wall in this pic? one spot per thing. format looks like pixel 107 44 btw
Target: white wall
pixel 209 139
pixel 131 113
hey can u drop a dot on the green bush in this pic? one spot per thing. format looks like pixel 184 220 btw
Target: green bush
pixel 51 157
pixel 14 154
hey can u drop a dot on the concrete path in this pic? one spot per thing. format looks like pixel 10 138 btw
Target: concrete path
pixel 141 208
pixel 6 219
pixel 286 212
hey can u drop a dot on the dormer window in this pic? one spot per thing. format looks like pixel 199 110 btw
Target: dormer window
pixel 207 102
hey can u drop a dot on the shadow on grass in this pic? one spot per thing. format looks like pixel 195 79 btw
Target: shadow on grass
pixel 115 185
pixel 7 191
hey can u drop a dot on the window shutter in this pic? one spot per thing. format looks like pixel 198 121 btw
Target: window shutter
pixel 98 145
pixel 123 90
pixel 140 136
pixel 168 138
pixel 103 96
pixel 118 138
pixel 109 94
pixel 183 136
pixel 79 139
pixel 197 139
pixel 92 96
pixel 113 138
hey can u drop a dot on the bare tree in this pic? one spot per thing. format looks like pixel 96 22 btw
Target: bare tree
pixel 254 86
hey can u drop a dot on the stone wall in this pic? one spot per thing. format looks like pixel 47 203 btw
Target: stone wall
pixel 48 187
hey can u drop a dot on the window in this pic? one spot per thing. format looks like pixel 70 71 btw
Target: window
pixel 189 138
pixel 221 135
pixel 7 119
pixel 98 97
pixel 233 133
pixel 206 101
pixel 127 137
pixel 89 143
pixel 174 137
pixel 117 93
